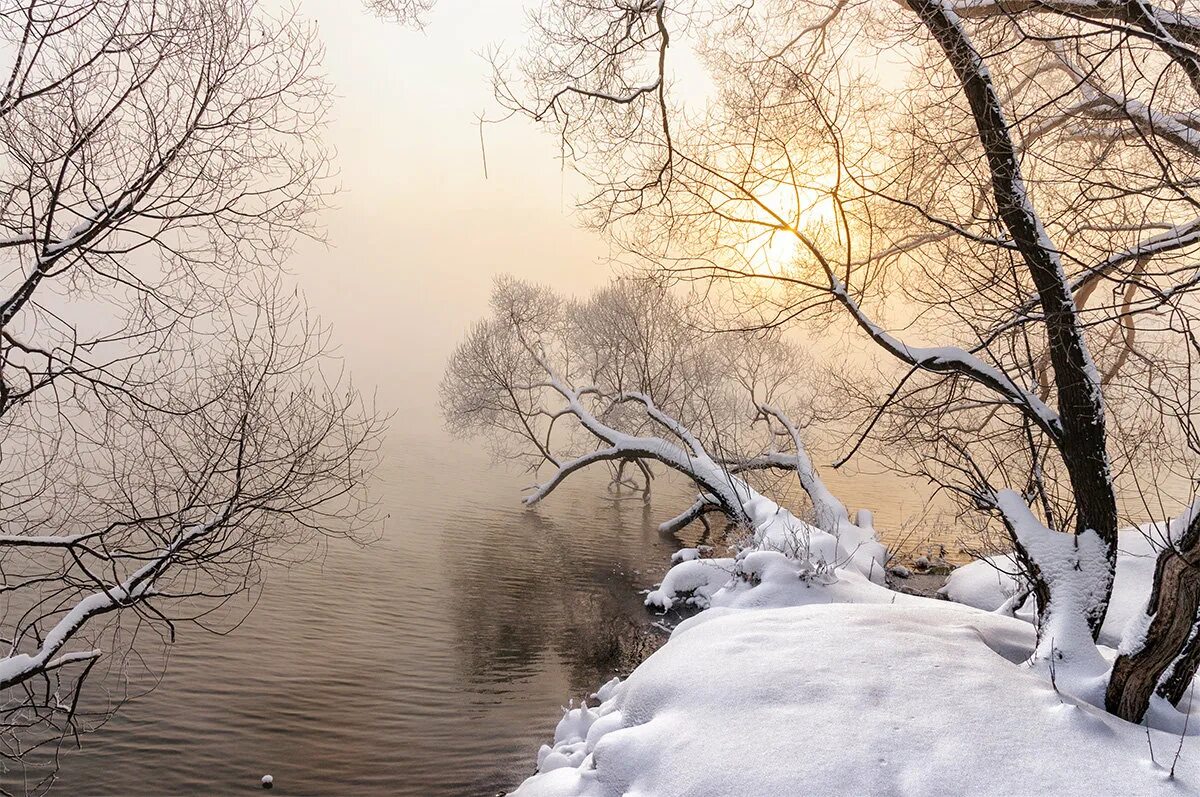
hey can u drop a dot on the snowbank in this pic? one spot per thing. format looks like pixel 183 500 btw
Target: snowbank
pixel 806 675
pixel 786 562
pixel 990 583
pixel 916 699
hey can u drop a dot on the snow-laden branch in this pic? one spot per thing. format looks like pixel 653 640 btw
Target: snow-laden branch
pixel 702 506
pixel 1083 437
pixel 830 513
pixel 138 587
pixel 620 99
pixel 694 462
pixel 939 359
pixel 565 469
pixel 678 429
pixel 46 541
pixel 953 360
pixel 1101 102
pixel 1179 236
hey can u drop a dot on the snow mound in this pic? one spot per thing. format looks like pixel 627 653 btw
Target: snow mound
pixel 913 699
pixel 990 583
pixel 788 562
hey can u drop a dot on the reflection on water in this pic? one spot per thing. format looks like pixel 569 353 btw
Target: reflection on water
pixel 433 662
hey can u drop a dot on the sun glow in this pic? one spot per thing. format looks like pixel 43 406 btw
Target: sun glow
pixel 800 210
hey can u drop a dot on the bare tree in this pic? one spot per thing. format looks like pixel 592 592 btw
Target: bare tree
pixel 169 416
pixel 623 379
pixel 406 12
pixel 1012 182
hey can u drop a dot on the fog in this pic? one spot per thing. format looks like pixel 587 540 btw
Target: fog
pixel 415 232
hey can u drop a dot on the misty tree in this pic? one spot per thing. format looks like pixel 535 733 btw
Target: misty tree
pixel 1013 184
pixel 406 12
pixel 170 418
pixel 624 379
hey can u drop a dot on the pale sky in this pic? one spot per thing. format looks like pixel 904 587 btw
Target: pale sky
pixel 416 233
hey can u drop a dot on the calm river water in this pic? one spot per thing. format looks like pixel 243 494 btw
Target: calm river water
pixel 432 662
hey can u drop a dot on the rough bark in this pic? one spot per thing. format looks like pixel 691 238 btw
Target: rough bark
pixel 1165 662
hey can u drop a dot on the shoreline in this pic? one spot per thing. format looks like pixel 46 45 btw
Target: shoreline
pixel 787 653
pixel 922 584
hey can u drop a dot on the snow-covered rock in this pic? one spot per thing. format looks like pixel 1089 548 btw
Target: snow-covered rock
pixel 686 555
pixel 987 583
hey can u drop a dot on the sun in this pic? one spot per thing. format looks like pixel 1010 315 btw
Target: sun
pixel 808 210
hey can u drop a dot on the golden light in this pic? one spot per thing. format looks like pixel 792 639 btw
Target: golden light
pixel 809 210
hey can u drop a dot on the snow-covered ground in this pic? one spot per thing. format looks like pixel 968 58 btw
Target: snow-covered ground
pixel 916 699
pixel 989 584
pixel 806 675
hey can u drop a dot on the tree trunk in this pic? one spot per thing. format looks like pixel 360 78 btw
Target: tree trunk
pixel 1166 660
pixel 1080 403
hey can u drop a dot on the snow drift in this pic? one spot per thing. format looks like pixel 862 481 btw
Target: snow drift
pixel 846 699
pixel 806 675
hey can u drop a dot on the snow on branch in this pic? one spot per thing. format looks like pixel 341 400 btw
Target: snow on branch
pixel 954 360
pixel 703 505
pixel 139 586
pixel 667 421
pixel 694 462
pixel 830 512
pixel 1177 237
pixel 623 378
pixel 1083 437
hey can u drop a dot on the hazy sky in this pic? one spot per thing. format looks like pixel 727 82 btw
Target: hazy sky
pixel 416 232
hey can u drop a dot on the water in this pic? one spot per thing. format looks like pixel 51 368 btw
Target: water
pixel 433 662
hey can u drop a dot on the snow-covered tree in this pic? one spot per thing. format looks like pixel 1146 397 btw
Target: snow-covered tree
pixel 169 420
pixel 1013 183
pixel 623 379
